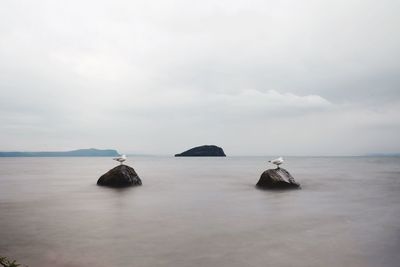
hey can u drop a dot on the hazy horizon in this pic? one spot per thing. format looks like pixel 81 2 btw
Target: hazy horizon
pixel 370 154
pixel 159 77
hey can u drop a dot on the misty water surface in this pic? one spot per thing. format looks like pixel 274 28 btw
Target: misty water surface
pixel 200 212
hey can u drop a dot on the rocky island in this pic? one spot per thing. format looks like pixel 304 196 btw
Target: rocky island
pixel 203 151
pixel 120 176
pixel 278 178
pixel 90 152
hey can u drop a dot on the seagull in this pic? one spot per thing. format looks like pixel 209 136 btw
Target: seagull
pixel 120 159
pixel 277 161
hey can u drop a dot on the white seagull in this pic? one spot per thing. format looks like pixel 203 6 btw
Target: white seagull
pixel 277 161
pixel 120 159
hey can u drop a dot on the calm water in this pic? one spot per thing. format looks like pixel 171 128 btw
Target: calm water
pixel 200 212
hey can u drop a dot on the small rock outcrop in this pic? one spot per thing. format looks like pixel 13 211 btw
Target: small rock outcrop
pixel 278 178
pixel 203 151
pixel 120 176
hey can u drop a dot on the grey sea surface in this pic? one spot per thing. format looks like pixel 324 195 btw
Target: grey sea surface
pixel 201 212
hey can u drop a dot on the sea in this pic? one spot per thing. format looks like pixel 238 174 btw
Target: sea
pixel 201 212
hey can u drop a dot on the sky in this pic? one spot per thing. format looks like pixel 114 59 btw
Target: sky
pixel 263 77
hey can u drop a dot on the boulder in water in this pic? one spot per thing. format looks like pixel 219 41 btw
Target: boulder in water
pixel 278 178
pixel 120 176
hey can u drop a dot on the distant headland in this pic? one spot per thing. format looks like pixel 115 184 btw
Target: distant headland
pixel 203 151
pixel 382 155
pixel 91 152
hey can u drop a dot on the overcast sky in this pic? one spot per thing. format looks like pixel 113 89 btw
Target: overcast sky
pixel 158 77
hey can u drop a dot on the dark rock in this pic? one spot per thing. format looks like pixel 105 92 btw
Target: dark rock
pixel 203 151
pixel 120 176
pixel 277 179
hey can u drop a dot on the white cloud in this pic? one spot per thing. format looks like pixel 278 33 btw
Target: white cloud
pixel 248 102
pixel 275 101
pixel 320 77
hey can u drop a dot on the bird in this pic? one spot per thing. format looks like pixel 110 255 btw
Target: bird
pixel 120 159
pixel 277 161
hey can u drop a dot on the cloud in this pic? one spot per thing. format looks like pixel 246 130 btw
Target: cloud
pixel 275 101
pixel 168 74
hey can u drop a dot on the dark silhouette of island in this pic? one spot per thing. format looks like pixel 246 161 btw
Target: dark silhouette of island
pixel 203 151
pixel 91 152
